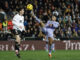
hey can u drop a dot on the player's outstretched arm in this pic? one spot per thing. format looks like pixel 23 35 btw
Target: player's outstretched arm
pixel 37 19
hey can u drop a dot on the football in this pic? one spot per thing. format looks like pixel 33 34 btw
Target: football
pixel 29 7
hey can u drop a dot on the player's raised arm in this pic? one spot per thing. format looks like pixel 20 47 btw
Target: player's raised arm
pixel 37 19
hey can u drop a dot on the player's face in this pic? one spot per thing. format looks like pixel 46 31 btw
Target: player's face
pixel 22 11
pixel 53 18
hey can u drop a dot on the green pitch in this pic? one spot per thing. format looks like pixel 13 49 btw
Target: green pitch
pixel 41 55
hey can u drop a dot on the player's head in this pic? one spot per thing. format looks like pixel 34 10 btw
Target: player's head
pixel 53 18
pixel 21 11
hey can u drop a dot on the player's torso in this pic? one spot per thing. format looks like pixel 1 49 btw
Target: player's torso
pixel 50 28
pixel 19 21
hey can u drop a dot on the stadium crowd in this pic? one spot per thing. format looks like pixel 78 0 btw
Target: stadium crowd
pixel 67 12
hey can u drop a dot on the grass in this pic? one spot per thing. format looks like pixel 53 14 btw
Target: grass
pixel 41 55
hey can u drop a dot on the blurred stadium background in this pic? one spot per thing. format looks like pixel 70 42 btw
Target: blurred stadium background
pixel 67 36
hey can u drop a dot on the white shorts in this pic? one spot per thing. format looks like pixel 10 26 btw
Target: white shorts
pixel 48 32
pixel 47 38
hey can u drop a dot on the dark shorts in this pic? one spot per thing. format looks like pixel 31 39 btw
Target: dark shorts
pixel 16 32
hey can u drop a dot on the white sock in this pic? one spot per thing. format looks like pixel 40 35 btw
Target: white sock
pixel 53 46
pixel 46 46
pixel 50 49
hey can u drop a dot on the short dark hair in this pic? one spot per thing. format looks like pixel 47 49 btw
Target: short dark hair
pixel 19 9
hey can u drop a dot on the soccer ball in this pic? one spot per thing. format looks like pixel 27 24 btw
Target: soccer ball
pixel 29 7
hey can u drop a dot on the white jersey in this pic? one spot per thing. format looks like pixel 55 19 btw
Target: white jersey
pixel 50 30
pixel 18 21
pixel 54 23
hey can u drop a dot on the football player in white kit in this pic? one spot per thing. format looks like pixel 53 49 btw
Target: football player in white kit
pixel 48 29
pixel 18 27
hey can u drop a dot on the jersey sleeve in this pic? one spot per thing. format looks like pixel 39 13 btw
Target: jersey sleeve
pixel 14 21
pixel 48 22
pixel 56 24
pixel 23 23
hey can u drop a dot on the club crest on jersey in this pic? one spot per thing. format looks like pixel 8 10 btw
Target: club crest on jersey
pixel 20 21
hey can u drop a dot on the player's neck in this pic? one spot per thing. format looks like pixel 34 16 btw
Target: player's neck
pixel 20 14
pixel 53 20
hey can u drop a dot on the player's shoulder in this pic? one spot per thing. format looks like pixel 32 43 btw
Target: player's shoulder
pixel 22 16
pixel 55 22
pixel 16 15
